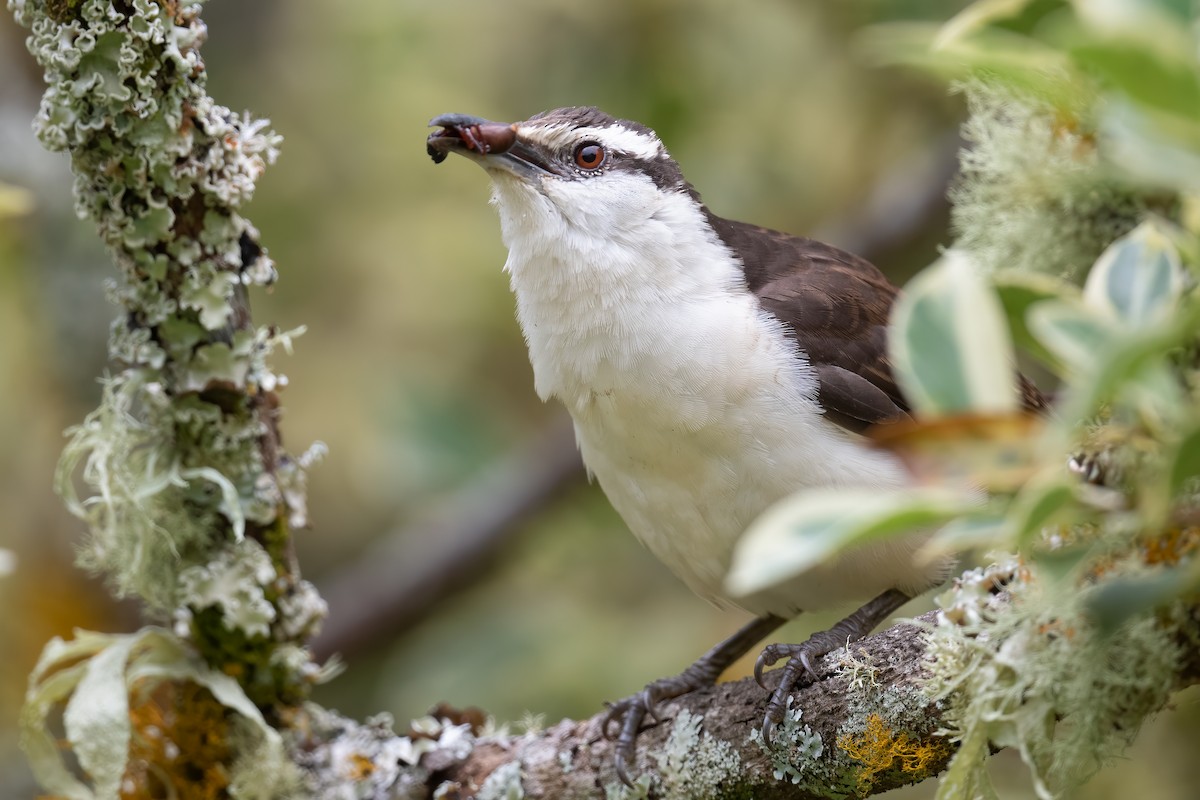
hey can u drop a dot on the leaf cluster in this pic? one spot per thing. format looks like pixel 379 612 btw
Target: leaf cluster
pixel 1085 124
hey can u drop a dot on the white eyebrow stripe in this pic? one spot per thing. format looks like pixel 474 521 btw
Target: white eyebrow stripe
pixel 618 137
pixel 621 138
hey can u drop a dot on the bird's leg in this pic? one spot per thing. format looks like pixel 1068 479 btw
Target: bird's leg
pixel 630 712
pixel 801 656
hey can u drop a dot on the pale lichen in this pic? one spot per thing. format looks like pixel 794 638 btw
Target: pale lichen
pixel 234 582
pixel 796 751
pixel 341 759
pixel 1031 671
pixel 1032 195
pixel 181 461
pixel 187 495
pixel 693 763
pixel 503 784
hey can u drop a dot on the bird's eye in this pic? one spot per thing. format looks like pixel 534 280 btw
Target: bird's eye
pixel 589 155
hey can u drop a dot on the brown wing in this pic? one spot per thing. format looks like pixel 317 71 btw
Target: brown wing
pixel 837 306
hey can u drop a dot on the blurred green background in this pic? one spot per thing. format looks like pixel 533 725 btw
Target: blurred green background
pixel 413 370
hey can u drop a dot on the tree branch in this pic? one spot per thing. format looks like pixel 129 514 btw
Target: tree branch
pixel 880 675
pixel 869 724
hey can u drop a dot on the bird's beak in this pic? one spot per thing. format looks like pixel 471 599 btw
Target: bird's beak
pixel 491 144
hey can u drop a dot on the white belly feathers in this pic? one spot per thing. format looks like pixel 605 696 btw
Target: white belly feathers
pixel 693 408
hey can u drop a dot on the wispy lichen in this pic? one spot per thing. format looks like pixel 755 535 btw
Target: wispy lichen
pixel 1032 672
pixel 1032 194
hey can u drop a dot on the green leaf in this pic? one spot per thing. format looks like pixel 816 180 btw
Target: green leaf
pixel 985 532
pixel 1038 503
pixel 1104 357
pixel 1018 61
pixel 1116 600
pixel 950 347
pixel 1148 76
pixel 1144 48
pixel 1157 150
pixel 1063 565
pixel 1073 333
pixel 1184 462
pixel 809 527
pixel 1019 291
pixel 977 16
pixel 1138 279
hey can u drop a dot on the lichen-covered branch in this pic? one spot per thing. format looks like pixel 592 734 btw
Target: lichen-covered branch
pixel 188 496
pixel 1005 662
pixel 867 726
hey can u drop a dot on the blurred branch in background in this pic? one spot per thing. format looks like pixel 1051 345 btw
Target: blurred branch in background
pixel 385 592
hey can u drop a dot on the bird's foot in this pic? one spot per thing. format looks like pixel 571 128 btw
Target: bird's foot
pixel 797 671
pixel 627 715
pixel 802 657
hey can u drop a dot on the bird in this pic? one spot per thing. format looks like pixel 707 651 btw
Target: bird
pixel 711 368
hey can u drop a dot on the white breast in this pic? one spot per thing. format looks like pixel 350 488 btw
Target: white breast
pixel 692 408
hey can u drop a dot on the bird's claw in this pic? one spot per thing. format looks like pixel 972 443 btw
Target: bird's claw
pixel 798 667
pixel 768 731
pixel 629 715
pixel 631 712
pixel 766 658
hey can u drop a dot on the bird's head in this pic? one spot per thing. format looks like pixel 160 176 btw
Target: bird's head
pixel 568 170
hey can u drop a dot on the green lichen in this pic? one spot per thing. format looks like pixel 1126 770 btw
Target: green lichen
pixel 1032 194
